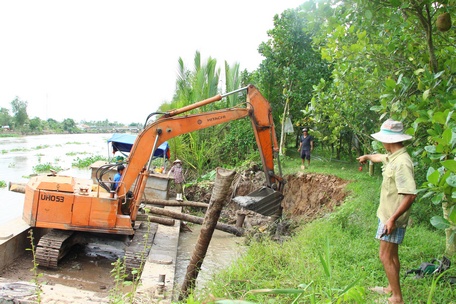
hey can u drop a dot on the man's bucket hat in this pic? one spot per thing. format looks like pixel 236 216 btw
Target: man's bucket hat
pixel 391 131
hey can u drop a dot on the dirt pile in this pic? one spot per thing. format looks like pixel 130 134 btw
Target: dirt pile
pixel 309 196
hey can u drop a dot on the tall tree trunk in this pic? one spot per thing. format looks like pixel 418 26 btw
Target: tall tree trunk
pixel 426 23
pixel 283 135
pixel 450 248
pixel 220 192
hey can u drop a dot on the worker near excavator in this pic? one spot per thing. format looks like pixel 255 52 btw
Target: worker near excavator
pixel 306 145
pixel 117 177
pixel 397 194
pixel 178 174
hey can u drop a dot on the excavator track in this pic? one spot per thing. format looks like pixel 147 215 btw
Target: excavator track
pixel 53 246
pixel 138 250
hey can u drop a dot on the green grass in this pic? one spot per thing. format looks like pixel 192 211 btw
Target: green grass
pixel 333 253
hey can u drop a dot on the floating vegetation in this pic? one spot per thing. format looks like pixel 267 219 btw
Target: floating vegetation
pixel 76 153
pixel 2 184
pixel 46 167
pixel 18 150
pixel 87 161
pixel 76 143
pixel 39 147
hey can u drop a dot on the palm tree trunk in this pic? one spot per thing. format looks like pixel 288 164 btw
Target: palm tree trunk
pixel 220 192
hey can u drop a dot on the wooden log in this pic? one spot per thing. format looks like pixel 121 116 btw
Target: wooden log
pixel 16 187
pixel 222 184
pixel 175 203
pixel 155 219
pixel 196 220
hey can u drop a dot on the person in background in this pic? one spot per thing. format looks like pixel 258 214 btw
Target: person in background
pixel 117 177
pixel 306 145
pixel 178 174
pixel 397 194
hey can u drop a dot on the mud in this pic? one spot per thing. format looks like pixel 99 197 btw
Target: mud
pixel 84 274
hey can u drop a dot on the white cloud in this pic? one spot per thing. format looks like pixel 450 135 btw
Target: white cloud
pixel 117 60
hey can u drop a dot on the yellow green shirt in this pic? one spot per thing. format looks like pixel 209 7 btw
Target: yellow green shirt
pixel 398 179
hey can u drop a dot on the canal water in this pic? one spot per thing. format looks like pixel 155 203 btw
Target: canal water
pixel 19 155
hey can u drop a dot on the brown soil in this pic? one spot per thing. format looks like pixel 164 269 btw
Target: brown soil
pixel 82 279
pixel 307 196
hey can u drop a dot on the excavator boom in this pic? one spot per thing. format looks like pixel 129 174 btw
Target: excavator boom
pixel 170 125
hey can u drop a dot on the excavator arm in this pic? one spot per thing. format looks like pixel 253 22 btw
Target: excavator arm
pixel 170 125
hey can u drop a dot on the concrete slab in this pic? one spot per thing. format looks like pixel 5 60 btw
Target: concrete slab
pixel 13 240
pixel 157 279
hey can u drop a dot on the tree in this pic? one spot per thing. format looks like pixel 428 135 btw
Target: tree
pixel 69 125
pixel 291 66
pixel 54 125
pixel 390 61
pixel 19 108
pixel 5 118
pixel 36 125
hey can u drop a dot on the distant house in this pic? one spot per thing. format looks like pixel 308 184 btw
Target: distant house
pixel 6 128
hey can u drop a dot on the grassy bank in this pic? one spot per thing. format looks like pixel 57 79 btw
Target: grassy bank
pixel 335 253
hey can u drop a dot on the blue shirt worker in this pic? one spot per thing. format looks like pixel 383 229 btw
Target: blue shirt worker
pixel 117 177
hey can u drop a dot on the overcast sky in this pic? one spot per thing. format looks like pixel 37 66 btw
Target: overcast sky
pixel 117 60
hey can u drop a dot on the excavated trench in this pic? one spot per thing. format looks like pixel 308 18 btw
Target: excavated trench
pixel 306 196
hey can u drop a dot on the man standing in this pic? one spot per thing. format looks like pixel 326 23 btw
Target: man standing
pixel 397 195
pixel 306 146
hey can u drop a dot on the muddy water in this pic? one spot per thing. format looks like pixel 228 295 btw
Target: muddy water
pixel 223 250
pixel 88 268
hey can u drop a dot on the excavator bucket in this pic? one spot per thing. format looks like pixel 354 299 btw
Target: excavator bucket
pixel 264 201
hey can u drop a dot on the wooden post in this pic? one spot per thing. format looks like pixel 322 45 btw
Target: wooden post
pixel 371 168
pixel 220 191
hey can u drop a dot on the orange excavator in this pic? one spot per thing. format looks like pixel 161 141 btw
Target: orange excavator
pixel 68 205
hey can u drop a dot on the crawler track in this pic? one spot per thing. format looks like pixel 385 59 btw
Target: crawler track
pixel 55 245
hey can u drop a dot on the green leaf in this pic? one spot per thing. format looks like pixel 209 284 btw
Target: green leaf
pixel 449 165
pixel 437 199
pixel 437 75
pixel 430 149
pixel 390 83
pixel 447 136
pixel 426 94
pixel 433 176
pixel 452 215
pixel 440 118
pixel 419 71
pixel 439 222
pixel 451 180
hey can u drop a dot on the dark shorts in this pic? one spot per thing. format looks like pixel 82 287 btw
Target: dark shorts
pixel 396 237
pixel 305 154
